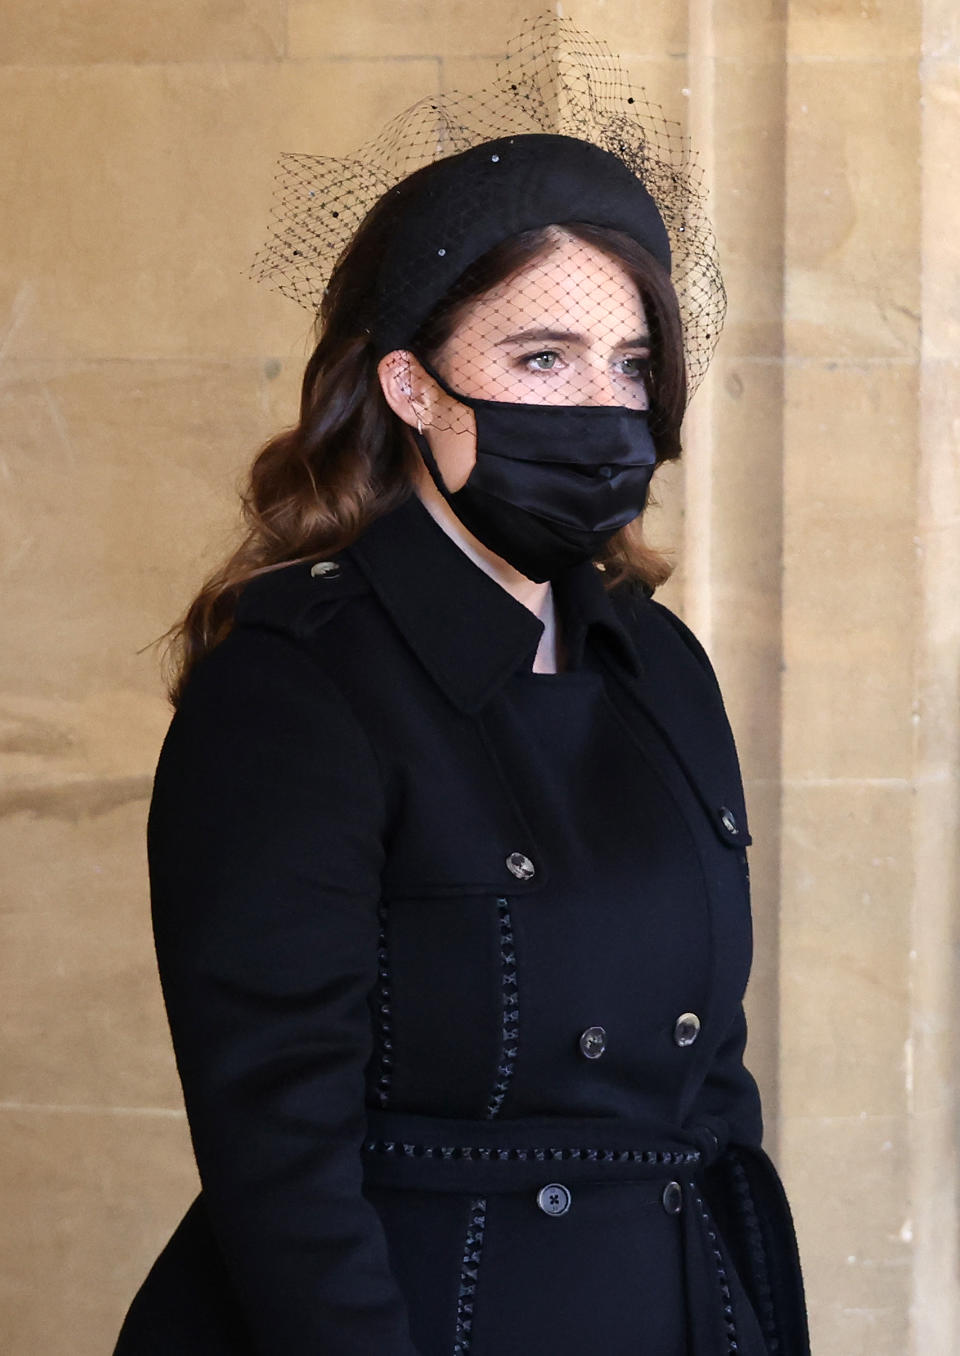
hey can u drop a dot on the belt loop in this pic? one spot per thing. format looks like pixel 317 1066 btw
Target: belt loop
pixel 712 1134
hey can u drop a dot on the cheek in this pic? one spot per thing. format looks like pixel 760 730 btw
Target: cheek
pixel 525 387
pixel 455 453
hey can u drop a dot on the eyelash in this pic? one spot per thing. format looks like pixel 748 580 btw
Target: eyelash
pixel 639 375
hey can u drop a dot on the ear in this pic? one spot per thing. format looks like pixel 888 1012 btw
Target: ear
pixel 405 386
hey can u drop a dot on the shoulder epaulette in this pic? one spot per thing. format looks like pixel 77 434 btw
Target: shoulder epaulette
pixel 300 597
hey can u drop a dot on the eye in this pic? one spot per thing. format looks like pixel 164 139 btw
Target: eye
pixel 544 361
pixel 637 367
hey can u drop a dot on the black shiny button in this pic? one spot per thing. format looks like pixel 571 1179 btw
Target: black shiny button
pixel 672 1198
pixel 686 1029
pixel 520 865
pixel 593 1042
pixel 554 1199
pixel 729 820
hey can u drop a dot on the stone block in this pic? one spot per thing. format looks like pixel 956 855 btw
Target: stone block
pixel 941 30
pixel 854 30
pixel 746 204
pixel 849 1186
pixel 82 1015
pixel 853 210
pixel 143 249
pixel 749 31
pixel 745 553
pixel 846 883
pixel 416 29
pixel 63 33
pixel 89 1201
pixel 850 587
pixel 941 191
pixel 124 477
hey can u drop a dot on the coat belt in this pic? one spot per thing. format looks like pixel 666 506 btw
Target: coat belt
pixel 439 1153
pixel 434 1153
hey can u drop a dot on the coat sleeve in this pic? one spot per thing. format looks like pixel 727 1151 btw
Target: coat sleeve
pixel 265 849
pixel 730 1091
pixel 748 1201
pixel 743 1186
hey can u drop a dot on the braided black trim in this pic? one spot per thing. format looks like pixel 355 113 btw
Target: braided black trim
pixel 477 1153
pixel 384 1012
pixel 729 1323
pixel 469 1268
pixel 510 1008
pixel 756 1251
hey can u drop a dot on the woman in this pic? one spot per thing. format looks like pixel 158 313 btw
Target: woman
pixel 447 840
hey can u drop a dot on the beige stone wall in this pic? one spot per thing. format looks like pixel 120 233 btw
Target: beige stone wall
pixel 817 521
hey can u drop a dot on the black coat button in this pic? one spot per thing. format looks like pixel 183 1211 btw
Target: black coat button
pixel 554 1199
pixel 686 1028
pixel 521 866
pixel 672 1198
pixel 593 1042
pixel 728 819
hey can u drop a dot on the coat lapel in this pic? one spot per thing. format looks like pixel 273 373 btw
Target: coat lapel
pixel 678 692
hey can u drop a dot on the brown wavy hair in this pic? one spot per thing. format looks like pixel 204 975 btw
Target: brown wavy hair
pixel 314 488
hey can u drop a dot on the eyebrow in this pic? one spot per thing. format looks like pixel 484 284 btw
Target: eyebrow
pixel 565 337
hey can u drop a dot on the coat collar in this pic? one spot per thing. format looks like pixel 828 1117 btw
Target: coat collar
pixel 467 630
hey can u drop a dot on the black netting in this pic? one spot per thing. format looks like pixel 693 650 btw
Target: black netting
pixel 569 328
pixel 556 78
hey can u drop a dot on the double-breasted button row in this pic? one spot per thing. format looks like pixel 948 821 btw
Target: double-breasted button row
pixel 593 1040
pixel 555 1198
pixel 518 862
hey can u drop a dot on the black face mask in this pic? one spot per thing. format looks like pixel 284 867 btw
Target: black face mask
pixel 551 483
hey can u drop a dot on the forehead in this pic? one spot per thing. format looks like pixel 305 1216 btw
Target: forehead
pixel 574 286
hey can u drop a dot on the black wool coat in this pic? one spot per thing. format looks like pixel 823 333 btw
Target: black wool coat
pixel 453 955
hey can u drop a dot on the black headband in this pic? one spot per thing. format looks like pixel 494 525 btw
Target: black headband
pixel 472 201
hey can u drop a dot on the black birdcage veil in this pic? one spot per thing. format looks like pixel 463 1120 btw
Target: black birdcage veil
pixel 556 80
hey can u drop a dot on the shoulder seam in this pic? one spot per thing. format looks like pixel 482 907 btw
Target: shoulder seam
pixel 688 637
pixel 296 643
